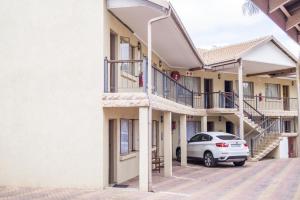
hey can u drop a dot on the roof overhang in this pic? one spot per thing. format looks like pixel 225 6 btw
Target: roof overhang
pixel 170 40
pixel 285 13
pixel 269 58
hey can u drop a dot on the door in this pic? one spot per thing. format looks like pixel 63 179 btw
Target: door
pixel 286 97
pixel 210 126
pixel 228 88
pixel 192 146
pixel 229 127
pixel 113 56
pixel 208 93
pixel 204 142
pixel 112 151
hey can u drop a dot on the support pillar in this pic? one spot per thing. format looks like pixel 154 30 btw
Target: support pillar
pixel 183 141
pixel 241 100
pixel 204 124
pixel 167 144
pixel 144 148
pixel 298 97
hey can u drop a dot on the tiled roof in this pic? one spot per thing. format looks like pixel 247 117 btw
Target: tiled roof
pixel 230 52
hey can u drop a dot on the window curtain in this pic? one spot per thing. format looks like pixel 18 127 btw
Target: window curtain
pixel 272 90
pixel 124 149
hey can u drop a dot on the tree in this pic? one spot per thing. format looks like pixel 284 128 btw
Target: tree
pixel 249 8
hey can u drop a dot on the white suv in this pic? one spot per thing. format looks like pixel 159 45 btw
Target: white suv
pixel 214 147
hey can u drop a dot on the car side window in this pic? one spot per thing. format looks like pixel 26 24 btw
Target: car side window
pixel 196 138
pixel 205 138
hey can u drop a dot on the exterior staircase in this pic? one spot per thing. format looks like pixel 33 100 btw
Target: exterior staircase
pixel 264 132
pixel 268 144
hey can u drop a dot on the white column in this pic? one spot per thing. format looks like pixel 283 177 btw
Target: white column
pixel 144 149
pixel 167 144
pixel 241 100
pixel 298 95
pixel 204 124
pixel 183 142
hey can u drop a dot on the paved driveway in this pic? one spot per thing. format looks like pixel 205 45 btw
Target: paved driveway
pixel 269 179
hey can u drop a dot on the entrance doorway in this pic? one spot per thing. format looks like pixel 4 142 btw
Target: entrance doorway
pixel 228 88
pixel 208 93
pixel 113 56
pixel 229 127
pixel 286 97
pixel 112 132
pixel 210 126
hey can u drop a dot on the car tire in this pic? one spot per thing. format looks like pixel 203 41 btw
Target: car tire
pixel 239 164
pixel 178 154
pixel 209 160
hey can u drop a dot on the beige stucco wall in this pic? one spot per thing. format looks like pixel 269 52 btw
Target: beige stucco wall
pixel 50 84
pixel 259 82
pixel 127 166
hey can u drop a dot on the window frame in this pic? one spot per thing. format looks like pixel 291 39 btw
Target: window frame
pixel 131 136
pixel 267 85
pixel 251 84
pixel 127 67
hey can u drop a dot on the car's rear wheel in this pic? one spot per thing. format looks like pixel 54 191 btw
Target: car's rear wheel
pixel 239 164
pixel 209 160
pixel 178 155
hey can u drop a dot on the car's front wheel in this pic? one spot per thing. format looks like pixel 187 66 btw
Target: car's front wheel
pixel 239 164
pixel 209 160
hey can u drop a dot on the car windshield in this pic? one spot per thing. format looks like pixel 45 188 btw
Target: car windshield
pixel 228 137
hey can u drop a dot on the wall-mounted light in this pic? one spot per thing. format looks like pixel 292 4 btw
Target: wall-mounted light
pixel 162 119
pixel 139 46
pixel 293 83
pixel 160 63
pixel 219 76
pixel 220 118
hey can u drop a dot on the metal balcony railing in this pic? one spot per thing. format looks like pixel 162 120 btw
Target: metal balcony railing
pixel 215 100
pixel 131 76
pixel 264 103
pixel 164 86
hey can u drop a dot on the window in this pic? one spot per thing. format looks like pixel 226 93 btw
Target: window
pixel 126 136
pixel 205 138
pixel 155 132
pixel 228 137
pixel 127 53
pixel 191 83
pixel 272 90
pixel 248 89
pixel 196 138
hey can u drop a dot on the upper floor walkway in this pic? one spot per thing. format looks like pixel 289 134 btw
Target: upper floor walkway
pixel 125 85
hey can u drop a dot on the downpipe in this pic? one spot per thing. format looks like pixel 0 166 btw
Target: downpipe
pixel 149 89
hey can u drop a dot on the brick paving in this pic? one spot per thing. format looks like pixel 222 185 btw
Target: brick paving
pixel 268 179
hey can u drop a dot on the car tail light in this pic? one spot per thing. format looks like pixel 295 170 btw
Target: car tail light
pixel 222 145
pixel 245 145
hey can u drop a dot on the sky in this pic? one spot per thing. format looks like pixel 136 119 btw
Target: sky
pixel 217 23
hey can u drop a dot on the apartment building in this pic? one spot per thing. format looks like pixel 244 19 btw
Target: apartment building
pixel 96 93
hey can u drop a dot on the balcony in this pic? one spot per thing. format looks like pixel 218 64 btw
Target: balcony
pixel 130 76
pixel 264 103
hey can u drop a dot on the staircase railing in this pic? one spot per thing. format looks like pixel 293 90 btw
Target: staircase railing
pixel 251 112
pixel 272 129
